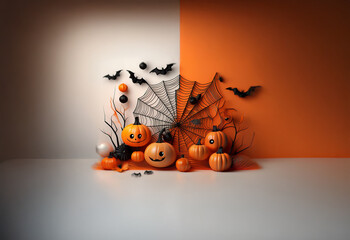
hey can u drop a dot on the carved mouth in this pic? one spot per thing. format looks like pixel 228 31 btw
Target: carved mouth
pixel 157 160
pixel 136 141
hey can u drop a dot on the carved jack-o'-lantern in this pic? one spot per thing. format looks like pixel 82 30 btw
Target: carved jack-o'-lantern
pixel 160 154
pixel 136 135
pixel 215 139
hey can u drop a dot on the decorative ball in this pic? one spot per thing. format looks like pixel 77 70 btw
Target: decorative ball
pixel 123 87
pixel 123 99
pixel 103 149
pixel 143 66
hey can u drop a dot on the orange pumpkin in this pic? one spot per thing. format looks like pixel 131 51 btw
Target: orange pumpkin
pixel 136 135
pixel 137 156
pixel 215 139
pixel 160 154
pixel 220 161
pixel 109 163
pixel 198 151
pixel 123 87
pixel 182 164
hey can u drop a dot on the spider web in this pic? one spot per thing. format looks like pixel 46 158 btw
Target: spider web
pixel 166 105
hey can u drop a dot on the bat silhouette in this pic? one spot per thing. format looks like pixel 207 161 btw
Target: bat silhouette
pixel 148 172
pixel 163 71
pixel 113 77
pixel 242 93
pixel 136 79
pixel 136 174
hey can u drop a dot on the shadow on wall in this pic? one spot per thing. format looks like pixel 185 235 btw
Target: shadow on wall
pixel 54 56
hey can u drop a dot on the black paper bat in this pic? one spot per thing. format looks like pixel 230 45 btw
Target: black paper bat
pixel 148 172
pixel 242 93
pixel 136 79
pixel 136 174
pixel 113 77
pixel 163 71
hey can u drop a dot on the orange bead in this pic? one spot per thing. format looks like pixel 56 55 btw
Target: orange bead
pixel 123 87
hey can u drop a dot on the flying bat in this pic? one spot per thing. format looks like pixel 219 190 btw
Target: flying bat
pixel 136 79
pixel 163 71
pixel 113 77
pixel 136 174
pixel 242 93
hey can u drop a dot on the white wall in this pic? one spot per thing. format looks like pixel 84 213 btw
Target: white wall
pixel 58 53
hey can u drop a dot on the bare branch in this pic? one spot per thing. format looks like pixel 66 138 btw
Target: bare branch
pixel 110 137
pixel 251 143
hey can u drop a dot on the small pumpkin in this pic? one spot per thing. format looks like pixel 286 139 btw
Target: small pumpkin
pixel 198 151
pixel 160 154
pixel 182 164
pixel 137 156
pixel 136 135
pixel 215 139
pixel 220 161
pixel 109 163
pixel 123 87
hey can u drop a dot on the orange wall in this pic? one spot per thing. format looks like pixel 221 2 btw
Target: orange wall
pixel 298 51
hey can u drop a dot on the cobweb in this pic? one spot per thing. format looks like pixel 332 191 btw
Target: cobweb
pixel 166 105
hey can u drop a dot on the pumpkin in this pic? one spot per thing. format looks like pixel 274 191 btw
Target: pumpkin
pixel 123 87
pixel 136 135
pixel 182 164
pixel 137 156
pixel 109 163
pixel 198 151
pixel 215 139
pixel 160 154
pixel 220 161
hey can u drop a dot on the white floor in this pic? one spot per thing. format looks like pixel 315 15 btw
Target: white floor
pixel 66 199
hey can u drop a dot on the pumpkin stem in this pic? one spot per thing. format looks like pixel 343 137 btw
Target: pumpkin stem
pixel 160 140
pixel 182 156
pixel 220 150
pixel 199 142
pixel 215 128
pixel 137 121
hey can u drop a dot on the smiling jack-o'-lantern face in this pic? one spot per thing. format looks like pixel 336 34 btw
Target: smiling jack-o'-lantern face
pixel 160 154
pixel 136 135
